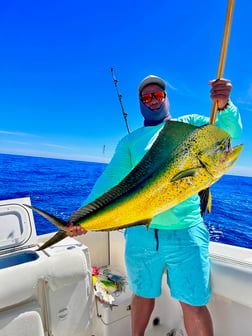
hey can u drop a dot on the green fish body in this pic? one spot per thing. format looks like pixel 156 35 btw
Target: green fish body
pixel 184 160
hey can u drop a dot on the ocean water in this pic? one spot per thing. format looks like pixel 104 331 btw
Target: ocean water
pixel 59 187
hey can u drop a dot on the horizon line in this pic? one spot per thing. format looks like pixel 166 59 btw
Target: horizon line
pixel 235 171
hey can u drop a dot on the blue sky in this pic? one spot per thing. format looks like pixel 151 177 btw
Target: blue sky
pixel 57 96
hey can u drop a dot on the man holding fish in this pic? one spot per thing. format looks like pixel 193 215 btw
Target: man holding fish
pixel 177 239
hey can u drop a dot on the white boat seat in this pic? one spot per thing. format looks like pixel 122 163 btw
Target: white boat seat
pixel 22 280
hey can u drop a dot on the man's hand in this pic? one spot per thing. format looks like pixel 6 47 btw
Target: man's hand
pixel 220 91
pixel 75 230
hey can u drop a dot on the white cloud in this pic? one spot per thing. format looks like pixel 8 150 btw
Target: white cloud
pixel 13 133
pixel 170 86
pixel 240 171
pixel 250 91
pixel 17 133
pixel 17 142
pixel 56 146
pixel 246 99
pixel 55 155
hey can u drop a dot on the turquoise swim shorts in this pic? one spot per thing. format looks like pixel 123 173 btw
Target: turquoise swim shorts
pixel 184 254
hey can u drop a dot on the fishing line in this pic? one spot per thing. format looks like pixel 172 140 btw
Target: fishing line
pixel 120 100
pixel 223 53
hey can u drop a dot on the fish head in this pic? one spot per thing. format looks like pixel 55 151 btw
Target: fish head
pixel 217 155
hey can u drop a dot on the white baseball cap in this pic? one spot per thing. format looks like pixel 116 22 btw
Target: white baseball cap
pixel 151 79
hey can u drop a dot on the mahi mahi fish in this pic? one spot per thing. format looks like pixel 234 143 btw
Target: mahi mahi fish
pixel 184 160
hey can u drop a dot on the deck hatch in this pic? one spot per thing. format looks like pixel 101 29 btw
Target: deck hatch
pixel 17 228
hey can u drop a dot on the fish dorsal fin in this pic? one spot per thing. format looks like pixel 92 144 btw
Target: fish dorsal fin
pixel 169 138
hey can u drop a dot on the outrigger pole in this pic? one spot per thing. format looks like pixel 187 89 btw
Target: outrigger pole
pixel 120 100
pixel 223 52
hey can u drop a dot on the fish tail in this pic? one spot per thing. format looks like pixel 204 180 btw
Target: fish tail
pixel 61 234
pixel 60 223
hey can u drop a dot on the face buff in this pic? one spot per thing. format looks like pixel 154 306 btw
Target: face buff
pixel 151 117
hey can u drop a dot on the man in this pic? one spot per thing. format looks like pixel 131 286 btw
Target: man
pixel 181 248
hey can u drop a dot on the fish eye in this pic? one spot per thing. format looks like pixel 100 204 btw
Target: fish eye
pixel 224 145
pixel 221 145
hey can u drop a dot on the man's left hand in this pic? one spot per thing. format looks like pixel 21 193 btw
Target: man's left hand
pixel 220 91
pixel 74 230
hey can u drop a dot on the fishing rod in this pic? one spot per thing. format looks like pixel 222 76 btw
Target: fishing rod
pixel 223 53
pixel 120 100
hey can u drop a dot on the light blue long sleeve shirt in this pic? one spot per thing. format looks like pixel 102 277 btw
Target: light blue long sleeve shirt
pixel 131 149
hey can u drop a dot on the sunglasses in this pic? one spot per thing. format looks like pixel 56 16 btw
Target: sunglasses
pixel 146 98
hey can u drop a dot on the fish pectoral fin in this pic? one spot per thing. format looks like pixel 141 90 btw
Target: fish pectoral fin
pixel 61 234
pixel 145 222
pixel 184 173
pixel 60 223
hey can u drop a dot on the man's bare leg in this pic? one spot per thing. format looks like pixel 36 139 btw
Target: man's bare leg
pixel 141 309
pixel 197 320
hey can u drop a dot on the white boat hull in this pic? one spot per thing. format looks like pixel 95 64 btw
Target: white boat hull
pixel 52 295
